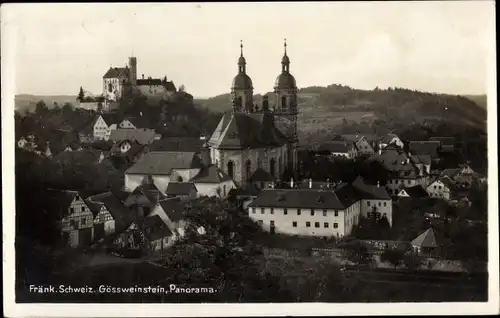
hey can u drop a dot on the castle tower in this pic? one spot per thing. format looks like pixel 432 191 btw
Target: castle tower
pixel 132 65
pixel 242 88
pixel 286 111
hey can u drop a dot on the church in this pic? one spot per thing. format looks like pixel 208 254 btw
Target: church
pixel 251 141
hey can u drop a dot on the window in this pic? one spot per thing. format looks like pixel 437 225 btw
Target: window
pixel 379 204
pixel 336 213
pixel 272 167
pixel 272 210
pixel 324 212
pixel 439 187
pixel 83 209
pixel 368 203
pixel 271 223
pixel 308 224
pixel 434 187
pixel 385 203
pixel 84 220
pixel 335 225
pixel 253 210
pixel 294 224
pixel 326 225
pixel 230 169
pixel 312 211
pixel 316 224
pixel 72 210
pixel 298 211
pixel 285 211
pixel 260 222
pixel 262 210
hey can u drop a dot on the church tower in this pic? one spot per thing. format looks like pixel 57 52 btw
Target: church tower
pixel 132 65
pixel 242 88
pixel 285 110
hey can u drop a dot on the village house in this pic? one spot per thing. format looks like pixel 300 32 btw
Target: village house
pixel 76 219
pixel 212 181
pixel 426 243
pixel 130 151
pixel 339 149
pixel 262 179
pixel 430 148
pixel 362 143
pixel 143 199
pixel 447 144
pixel 415 192
pixel 326 213
pixel 103 126
pixel 443 188
pixel 406 170
pixel 390 139
pixel 172 212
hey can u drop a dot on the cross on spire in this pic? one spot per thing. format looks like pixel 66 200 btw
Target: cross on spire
pixel 285 46
pixel 241 47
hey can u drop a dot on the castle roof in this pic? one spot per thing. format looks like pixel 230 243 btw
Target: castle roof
pixel 117 72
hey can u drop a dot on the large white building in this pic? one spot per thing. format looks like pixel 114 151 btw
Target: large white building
pixel 326 212
pixel 249 138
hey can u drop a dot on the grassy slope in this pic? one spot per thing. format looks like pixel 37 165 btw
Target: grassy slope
pixel 28 102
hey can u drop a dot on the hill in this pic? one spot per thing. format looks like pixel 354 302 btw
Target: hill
pixel 335 107
pixel 27 102
pixel 480 100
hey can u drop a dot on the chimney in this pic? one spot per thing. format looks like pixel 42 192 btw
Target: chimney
pixel 140 114
pixel 272 185
pixel 378 184
pixel 291 183
pixel 142 76
pixel 310 183
pixel 328 183
pixel 380 148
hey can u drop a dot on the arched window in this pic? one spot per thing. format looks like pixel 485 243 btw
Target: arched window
pixel 283 102
pixel 248 169
pixel 230 169
pixel 272 167
pixel 110 87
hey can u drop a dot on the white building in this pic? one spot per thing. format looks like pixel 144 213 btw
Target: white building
pixel 441 188
pixel 363 145
pixel 103 126
pixel 339 149
pixel 311 212
pixel 390 139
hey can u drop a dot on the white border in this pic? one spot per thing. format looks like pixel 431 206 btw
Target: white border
pixel 9 36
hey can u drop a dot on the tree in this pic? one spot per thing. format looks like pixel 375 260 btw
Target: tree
pixel 393 256
pixel 99 107
pixel 357 253
pixel 67 108
pixel 81 95
pixel 41 108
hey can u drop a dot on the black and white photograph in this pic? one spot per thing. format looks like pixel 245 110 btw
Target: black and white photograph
pixel 268 158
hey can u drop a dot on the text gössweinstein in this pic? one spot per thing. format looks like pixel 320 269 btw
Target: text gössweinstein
pixel 103 289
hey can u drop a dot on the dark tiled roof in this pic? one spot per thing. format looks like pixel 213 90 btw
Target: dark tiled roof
pixel 416 192
pixel 154 228
pixel 426 239
pixel 119 212
pixel 386 139
pixel 261 175
pixel 111 119
pixel 58 200
pixel 138 122
pixel 169 85
pixel 450 184
pixel 450 173
pixel 143 136
pixel 117 72
pixel 397 162
pixel 445 141
pixel 177 144
pixel 95 207
pixel 149 191
pixel 423 159
pixel 349 137
pixel 336 146
pixel 180 188
pixel 369 191
pixel 162 163
pixel 296 198
pixel 425 147
pixel 211 174
pixel 173 208
pixel 240 131
pixel 348 195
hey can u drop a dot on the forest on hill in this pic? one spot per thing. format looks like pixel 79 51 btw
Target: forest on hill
pixel 335 104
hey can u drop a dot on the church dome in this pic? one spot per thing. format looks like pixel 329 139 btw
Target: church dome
pixel 285 81
pixel 242 81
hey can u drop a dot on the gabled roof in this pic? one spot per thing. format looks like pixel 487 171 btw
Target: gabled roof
pixel 117 72
pixel 95 207
pixel 450 173
pixel 241 131
pixel 426 239
pixel 150 191
pixel 138 122
pixel 59 201
pixel 425 147
pixel 369 191
pixel 162 163
pixel 177 144
pixel 211 174
pixel 110 119
pixel 450 184
pixel 416 192
pixel 336 146
pixel 349 137
pixel 387 138
pixel 261 175
pixel 118 211
pixel 153 227
pixel 397 161
pixel 143 136
pixel 173 208
pixel 421 159
pixel 180 188
pixel 297 198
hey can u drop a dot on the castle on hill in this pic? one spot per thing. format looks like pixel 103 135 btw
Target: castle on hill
pixel 118 82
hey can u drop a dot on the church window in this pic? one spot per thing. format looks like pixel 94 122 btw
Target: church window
pixel 272 167
pixel 248 168
pixel 110 87
pixel 230 169
pixel 283 102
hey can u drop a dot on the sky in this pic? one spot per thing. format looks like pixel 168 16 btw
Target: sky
pixel 430 46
